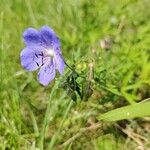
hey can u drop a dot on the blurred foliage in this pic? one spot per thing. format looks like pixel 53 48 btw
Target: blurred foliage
pixel 112 35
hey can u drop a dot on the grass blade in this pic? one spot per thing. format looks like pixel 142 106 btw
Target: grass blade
pixel 127 112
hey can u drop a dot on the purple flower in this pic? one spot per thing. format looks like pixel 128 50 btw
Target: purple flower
pixel 42 51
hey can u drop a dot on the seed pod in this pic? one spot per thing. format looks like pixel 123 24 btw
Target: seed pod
pixel 87 91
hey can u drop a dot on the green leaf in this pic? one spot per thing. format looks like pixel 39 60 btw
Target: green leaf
pixel 127 112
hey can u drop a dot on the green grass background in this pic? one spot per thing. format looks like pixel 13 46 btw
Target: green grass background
pixel 34 117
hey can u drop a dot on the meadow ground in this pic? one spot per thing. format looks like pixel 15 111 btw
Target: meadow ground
pixel 114 38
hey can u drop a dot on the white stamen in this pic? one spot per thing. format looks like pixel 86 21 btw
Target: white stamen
pixel 50 52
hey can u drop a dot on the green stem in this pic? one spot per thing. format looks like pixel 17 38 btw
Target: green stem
pixel 46 121
pixel 69 66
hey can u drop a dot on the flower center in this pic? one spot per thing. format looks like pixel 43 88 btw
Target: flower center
pixel 50 52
